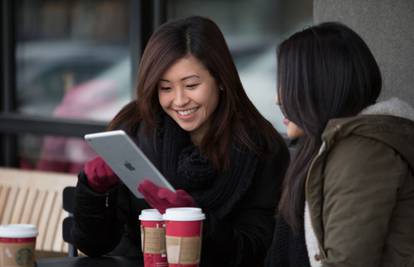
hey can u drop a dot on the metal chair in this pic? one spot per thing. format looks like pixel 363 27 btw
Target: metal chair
pixel 68 198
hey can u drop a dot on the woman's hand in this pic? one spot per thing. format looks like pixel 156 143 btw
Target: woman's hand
pixel 161 198
pixel 100 176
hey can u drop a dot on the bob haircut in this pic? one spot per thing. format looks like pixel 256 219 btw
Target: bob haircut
pixel 235 116
pixel 325 71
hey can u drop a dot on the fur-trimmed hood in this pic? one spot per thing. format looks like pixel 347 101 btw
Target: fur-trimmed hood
pixel 394 107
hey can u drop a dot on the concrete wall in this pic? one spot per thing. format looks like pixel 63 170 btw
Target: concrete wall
pixel 388 28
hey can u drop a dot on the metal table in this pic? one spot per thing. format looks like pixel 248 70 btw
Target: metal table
pixel 89 262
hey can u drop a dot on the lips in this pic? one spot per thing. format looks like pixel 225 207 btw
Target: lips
pixel 186 112
pixel 286 121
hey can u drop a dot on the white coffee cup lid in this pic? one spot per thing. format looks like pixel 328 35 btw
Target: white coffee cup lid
pixel 150 215
pixel 18 231
pixel 184 214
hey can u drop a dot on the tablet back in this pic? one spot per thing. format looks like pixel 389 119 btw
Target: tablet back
pixel 126 159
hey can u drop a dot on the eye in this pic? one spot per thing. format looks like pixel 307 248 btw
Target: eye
pixel 192 86
pixel 164 88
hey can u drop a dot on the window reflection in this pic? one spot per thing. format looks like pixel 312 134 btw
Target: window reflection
pixel 72 61
pixel 64 51
pixel 53 153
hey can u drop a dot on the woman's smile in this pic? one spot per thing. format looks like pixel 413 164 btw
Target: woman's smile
pixel 186 113
pixel 189 94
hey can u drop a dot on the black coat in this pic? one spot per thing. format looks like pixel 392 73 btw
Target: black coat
pixel 233 235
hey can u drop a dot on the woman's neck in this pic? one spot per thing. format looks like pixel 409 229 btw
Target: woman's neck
pixel 198 134
pixel 196 137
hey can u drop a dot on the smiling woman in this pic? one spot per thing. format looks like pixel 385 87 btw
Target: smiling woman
pixel 189 95
pixel 194 121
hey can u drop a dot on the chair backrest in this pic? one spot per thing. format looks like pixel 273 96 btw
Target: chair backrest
pixel 68 198
pixel 35 197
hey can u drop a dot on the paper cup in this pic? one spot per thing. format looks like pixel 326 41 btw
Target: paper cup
pixel 153 238
pixel 184 228
pixel 17 245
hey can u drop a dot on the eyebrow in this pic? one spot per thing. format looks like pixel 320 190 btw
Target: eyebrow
pixel 183 79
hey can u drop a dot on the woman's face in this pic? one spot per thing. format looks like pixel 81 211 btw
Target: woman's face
pixel 189 94
pixel 292 130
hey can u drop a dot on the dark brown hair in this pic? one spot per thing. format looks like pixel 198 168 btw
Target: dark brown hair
pixel 324 72
pixel 235 118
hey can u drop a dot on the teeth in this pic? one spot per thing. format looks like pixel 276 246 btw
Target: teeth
pixel 186 112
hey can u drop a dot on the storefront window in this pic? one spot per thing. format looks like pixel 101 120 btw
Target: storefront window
pixel 72 61
pixel 69 57
pixel 53 153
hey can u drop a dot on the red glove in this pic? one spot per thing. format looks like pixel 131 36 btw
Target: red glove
pixel 161 198
pixel 100 176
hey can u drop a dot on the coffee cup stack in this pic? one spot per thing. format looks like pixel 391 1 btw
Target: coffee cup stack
pixel 17 245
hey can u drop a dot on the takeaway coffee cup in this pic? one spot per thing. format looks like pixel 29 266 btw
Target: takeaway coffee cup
pixel 17 245
pixel 153 238
pixel 184 227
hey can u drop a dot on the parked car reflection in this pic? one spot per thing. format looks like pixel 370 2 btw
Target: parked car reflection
pixel 46 71
pixel 98 99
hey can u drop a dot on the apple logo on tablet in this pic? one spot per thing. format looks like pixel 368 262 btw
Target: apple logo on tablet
pixel 129 166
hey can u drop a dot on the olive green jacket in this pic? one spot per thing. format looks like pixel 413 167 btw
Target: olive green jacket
pixel 360 192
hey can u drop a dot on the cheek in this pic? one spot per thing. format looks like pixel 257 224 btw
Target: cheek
pixel 163 100
pixel 212 102
pixel 294 131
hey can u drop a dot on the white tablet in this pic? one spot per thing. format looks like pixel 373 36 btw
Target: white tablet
pixel 126 159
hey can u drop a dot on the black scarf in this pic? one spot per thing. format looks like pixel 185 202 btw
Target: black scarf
pixel 170 149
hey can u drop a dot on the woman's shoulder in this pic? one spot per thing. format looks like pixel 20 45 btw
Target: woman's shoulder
pixel 355 159
pixel 269 141
pixel 351 149
pixel 276 149
pixel 273 157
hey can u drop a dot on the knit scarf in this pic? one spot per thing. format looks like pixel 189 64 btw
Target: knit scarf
pixel 170 149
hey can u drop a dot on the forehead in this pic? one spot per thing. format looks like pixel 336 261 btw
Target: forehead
pixel 183 67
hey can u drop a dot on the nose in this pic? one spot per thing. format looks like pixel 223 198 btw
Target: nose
pixel 277 100
pixel 180 98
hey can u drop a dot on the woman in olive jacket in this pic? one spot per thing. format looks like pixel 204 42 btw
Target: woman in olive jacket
pixel 348 199
pixel 194 121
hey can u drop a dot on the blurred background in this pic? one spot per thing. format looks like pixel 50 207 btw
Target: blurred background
pixel 68 66
pixel 72 65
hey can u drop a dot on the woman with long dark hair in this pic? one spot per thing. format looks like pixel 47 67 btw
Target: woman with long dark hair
pixel 194 121
pixel 348 198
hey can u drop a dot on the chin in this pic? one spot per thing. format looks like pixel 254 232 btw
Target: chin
pixel 291 137
pixel 187 128
pixel 292 134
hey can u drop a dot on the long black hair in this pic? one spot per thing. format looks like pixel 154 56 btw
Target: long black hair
pixel 325 71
